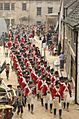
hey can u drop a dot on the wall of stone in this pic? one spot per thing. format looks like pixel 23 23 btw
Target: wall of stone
pixel 31 12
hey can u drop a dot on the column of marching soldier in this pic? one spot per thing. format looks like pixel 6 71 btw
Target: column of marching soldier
pixel 37 79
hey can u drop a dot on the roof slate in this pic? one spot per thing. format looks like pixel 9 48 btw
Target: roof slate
pixel 68 3
pixel 73 17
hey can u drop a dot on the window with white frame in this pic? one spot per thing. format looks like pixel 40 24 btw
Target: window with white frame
pixel 1 6
pixel 50 10
pixel 12 6
pixel 39 22
pixel 6 6
pixel 39 11
pixel 24 6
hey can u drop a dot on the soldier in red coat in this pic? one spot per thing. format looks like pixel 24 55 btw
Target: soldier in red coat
pixel 41 97
pixel 26 93
pixel 22 40
pixel 67 94
pixel 31 96
pixel 44 91
pixel 57 99
pixel 23 84
pixel 53 79
pixel 39 84
pixel 9 44
pixel 20 79
pixel 34 77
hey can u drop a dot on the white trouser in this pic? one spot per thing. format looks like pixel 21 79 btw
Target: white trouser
pixel 66 97
pixel 31 99
pixel 56 103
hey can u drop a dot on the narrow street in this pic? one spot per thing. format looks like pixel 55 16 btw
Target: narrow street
pixel 39 111
pixel 39 59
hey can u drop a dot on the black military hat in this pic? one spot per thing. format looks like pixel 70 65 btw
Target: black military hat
pixel 57 82
pixel 47 79
pixel 30 82
pixel 48 68
pixel 52 70
pixel 43 76
pixel 56 73
pixel 8 64
pixel 10 86
pixel 18 86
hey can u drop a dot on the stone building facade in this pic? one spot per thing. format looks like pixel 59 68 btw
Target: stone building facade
pixel 69 27
pixel 27 11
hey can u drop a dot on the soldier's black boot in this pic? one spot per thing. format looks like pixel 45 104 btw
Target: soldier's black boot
pixel 42 102
pixel 64 105
pixel 46 106
pixel 60 114
pixel 32 107
pixel 68 107
pixel 37 96
pixel 50 108
pixel 55 113
pixel 28 107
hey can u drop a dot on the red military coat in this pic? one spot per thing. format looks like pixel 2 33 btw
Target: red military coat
pixel 40 82
pixel 57 92
pixel 44 89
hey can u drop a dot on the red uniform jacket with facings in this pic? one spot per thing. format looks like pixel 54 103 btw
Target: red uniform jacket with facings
pixel 57 93
pixel 44 89
pixel 20 79
pixel 23 40
pixel 27 90
pixel 23 84
pixel 33 90
pixel 40 82
pixel 34 78
pixel 67 87
pixel 9 44
pixel 53 79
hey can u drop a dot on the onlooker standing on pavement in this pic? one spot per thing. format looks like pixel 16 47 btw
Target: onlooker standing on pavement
pixel 44 41
pixel 7 71
pixel 61 56
pixel 44 45
pixel 49 39
pixel 19 100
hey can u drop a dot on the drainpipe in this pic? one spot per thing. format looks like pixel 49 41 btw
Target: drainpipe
pixel 76 71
